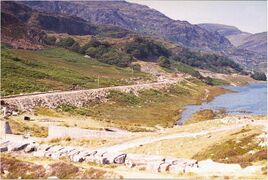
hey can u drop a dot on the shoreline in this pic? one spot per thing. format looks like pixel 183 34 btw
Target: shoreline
pixel 200 108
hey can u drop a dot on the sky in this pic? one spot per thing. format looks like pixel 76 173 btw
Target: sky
pixel 248 16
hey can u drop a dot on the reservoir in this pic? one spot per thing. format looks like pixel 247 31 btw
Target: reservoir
pixel 250 99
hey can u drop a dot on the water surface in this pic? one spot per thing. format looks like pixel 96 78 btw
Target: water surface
pixel 250 99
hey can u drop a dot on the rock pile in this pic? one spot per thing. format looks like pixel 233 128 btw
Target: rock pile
pixel 77 154
pixel 156 164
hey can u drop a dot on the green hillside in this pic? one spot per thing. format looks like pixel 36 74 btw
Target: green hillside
pixel 25 71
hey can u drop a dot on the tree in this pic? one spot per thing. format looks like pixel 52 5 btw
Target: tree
pixel 66 42
pixel 92 51
pixel 76 47
pixel 50 40
pixel 144 48
pixel 116 57
pixel 164 62
pixel 94 43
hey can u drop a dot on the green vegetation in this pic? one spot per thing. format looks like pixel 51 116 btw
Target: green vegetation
pixel 66 42
pixel 104 53
pixel 211 62
pixel 50 40
pixel 142 48
pixel 215 81
pixel 178 66
pixel 236 150
pixel 95 48
pixel 259 76
pixel 124 98
pixel 25 71
pixel 164 62
pixel 116 57
pixel 149 108
pixel 146 49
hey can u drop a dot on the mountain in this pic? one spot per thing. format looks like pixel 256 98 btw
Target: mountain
pixel 137 18
pixel 251 49
pixel 242 40
pixel 223 30
pixel 255 42
pixel 14 28
pixel 25 28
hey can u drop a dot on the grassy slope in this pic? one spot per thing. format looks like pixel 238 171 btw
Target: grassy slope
pixel 150 108
pixel 23 127
pixel 236 149
pixel 25 71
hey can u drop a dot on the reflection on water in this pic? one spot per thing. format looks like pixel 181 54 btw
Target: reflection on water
pixel 250 99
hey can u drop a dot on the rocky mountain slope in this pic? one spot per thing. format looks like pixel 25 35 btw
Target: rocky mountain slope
pixel 14 29
pixel 251 49
pixel 255 42
pixel 243 40
pixel 223 30
pixel 138 18
pixel 25 28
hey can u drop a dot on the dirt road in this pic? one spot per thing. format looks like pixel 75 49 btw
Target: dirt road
pixel 148 140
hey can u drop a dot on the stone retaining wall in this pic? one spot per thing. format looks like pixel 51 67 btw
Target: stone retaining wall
pixel 76 98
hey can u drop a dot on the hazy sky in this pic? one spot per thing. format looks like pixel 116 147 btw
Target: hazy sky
pixel 249 16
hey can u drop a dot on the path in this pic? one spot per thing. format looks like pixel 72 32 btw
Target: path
pixel 148 140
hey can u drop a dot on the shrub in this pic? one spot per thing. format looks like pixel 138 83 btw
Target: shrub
pixel 94 43
pixel 144 48
pixel 76 47
pixel 50 40
pixel 164 62
pixel 92 51
pixel 123 98
pixel 116 57
pixel 211 62
pixel 66 42
pixel 136 67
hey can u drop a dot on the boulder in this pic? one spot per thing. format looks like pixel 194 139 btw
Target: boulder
pixel 120 159
pixel 52 177
pixel 3 149
pixel 78 158
pixel 209 166
pixel 100 158
pixel 55 148
pixel 39 153
pixel 44 147
pixel 153 166
pixel 30 148
pixel 56 155
pixel 164 167
pixel 90 159
pixel 17 146
pixel 74 152
pixel 176 168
